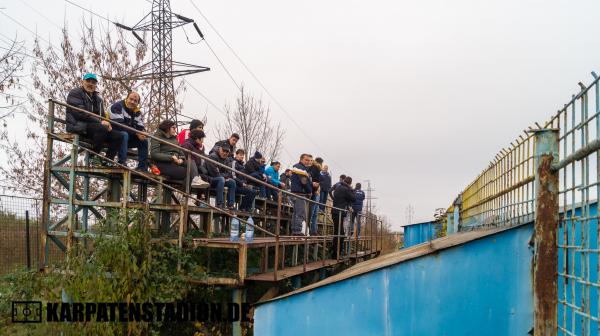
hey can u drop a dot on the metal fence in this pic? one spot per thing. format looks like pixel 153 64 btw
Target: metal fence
pixel 504 194
pixel 19 216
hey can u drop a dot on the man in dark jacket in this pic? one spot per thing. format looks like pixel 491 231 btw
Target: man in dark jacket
pixel 231 142
pixel 343 199
pixel 337 184
pixel 285 179
pixel 301 185
pixel 325 184
pixel 96 130
pixel 357 207
pixel 127 112
pixel 242 187
pixel 315 174
pixel 255 168
pixel 220 177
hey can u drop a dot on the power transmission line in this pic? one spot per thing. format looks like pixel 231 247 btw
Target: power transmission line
pixel 262 85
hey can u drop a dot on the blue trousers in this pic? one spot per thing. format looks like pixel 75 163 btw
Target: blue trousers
pixel 262 190
pixel 271 192
pixel 313 215
pixel 248 198
pixel 132 141
pixel 219 184
pixel 323 199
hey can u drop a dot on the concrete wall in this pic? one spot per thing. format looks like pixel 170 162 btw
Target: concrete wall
pixel 480 287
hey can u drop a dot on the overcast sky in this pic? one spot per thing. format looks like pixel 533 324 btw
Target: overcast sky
pixel 416 96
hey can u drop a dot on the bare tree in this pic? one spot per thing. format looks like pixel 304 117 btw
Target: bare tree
pixel 56 71
pixel 251 119
pixel 11 63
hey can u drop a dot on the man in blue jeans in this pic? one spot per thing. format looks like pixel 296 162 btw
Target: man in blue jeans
pixel 315 173
pixel 127 112
pixel 221 177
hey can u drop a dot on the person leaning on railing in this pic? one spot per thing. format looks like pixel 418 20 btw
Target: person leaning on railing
pixel 127 112
pixel 325 184
pixel 357 208
pixel 169 159
pixel 219 178
pixel 301 185
pixel 272 173
pixel 255 168
pixel 315 174
pixel 95 130
pixel 343 198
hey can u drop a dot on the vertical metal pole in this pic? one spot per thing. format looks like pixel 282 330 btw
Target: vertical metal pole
pixel 337 236
pixel 545 262
pixel 238 296
pixel 278 223
pixel 27 243
pixel 71 215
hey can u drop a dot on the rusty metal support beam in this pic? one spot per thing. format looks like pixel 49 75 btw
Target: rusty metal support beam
pixel 545 262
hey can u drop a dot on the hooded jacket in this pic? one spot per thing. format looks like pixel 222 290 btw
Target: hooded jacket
pixel 161 152
pixel 253 166
pixel 274 175
pixel 76 120
pixel 120 113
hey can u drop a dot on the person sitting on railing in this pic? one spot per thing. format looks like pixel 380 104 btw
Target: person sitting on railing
pixel 254 167
pixel 127 112
pixel 315 174
pixel 357 207
pixel 325 184
pixel 233 139
pixel 169 159
pixel 195 124
pixel 242 187
pixel 272 174
pixel 219 177
pixel 96 130
pixel 343 199
pixel 301 185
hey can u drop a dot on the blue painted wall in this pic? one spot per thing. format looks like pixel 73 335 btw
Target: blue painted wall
pixel 483 286
pixel 419 233
pixel 583 233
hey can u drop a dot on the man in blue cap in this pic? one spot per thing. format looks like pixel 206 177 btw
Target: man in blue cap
pixel 97 130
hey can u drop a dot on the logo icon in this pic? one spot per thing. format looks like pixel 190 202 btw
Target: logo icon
pixel 26 311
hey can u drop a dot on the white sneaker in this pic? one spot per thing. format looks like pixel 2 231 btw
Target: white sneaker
pixel 199 183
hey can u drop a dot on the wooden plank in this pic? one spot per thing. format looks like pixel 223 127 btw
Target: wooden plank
pixel 291 271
